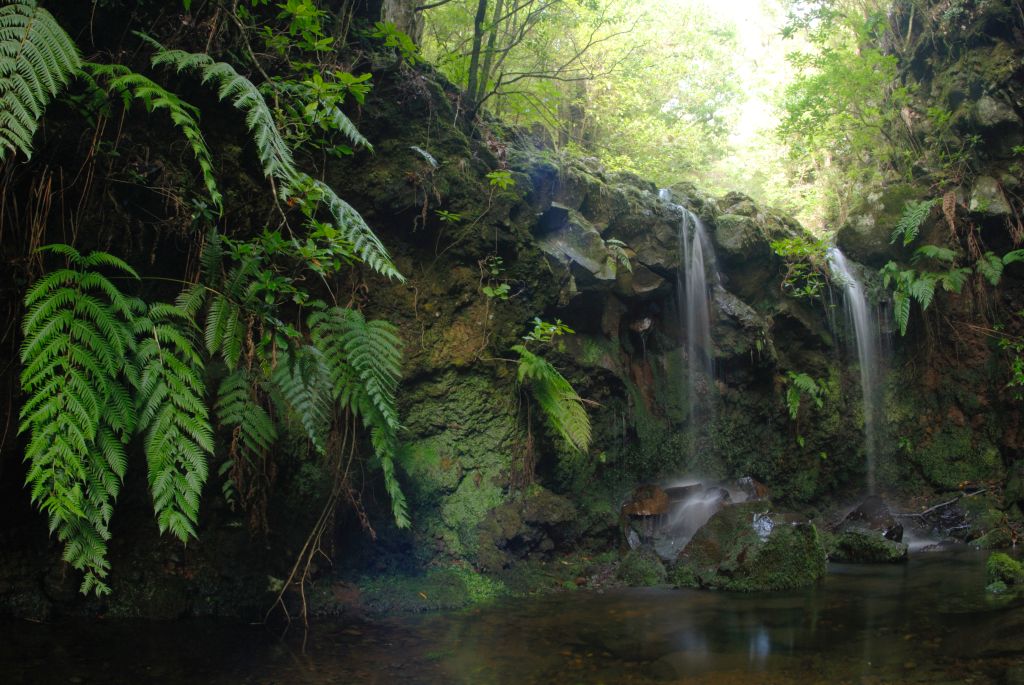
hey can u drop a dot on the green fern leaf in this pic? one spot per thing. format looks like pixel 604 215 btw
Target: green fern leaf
pixel 990 266
pixel 1014 256
pixel 37 58
pixel 562 407
pixel 909 224
pixel 941 254
pixel 901 310
pixel 172 412
pixel 130 85
pixel 77 335
pixel 253 432
pixel 303 381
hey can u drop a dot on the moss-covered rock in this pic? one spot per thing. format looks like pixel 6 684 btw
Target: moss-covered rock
pixel 641 568
pixel 452 587
pixel 532 524
pixel 746 547
pixel 866 547
pixel 1002 567
pixel 865 237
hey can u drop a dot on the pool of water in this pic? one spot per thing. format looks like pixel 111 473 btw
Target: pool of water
pixel 929 620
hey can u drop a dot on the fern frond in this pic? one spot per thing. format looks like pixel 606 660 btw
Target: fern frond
pixel 953 280
pixel 990 266
pixel 909 224
pixel 922 289
pixel 77 335
pixel 941 254
pixel 351 227
pixel 37 57
pixel 562 407
pixel 901 310
pixel 1013 256
pixel 253 431
pixel 133 86
pixel 276 157
pixel 225 331
pixel 304 384
pixel 364 362
pixel 385 447
pixel 172 412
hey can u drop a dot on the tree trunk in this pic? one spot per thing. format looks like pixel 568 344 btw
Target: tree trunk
pixel 474 57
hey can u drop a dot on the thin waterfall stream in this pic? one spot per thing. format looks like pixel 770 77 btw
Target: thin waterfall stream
pixel 693 295
pixel 866 333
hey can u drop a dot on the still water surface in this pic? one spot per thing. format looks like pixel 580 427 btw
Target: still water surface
pixel 929 621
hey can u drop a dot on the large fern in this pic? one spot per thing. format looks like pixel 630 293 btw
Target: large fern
pixel 364 362
pixel 276 157
pixel 79 413
pixel 303 381
pixel 130 86
pixel 555 396
pixel 172 411
pixel 37 57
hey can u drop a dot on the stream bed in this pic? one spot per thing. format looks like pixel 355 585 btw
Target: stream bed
pixel 929 620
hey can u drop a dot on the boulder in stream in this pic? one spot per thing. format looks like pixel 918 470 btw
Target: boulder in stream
pixel 750 548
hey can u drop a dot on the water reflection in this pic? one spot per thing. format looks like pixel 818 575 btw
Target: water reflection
pixel 927 621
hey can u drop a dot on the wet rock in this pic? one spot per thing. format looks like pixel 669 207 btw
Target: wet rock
pixel 522 528
pixel 873 515
pixel 641 568
pixel 1004 568
pixel 646 500
pixel 753 489
pixel 748 547
pixel 865 237
pixel 988 199
pixel 866 547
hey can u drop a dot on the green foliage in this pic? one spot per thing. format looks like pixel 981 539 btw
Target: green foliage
pixel 132 86
pixel 909 225
pixel 171 405
pixel 78 409
pixel 912 284
pixel 501 179
pixel 276 157
pixel 801 385
pixel 253 431
pixel 805 265
pixel 545 332
pixel 37 57
pixel 394 38
pixel 363 361
pixel 617 253
pixel 562 407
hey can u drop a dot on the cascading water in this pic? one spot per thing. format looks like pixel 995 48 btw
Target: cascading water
pixel 693 296
pixel 866 332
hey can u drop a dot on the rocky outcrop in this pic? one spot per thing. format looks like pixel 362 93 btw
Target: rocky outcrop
pixel 749 547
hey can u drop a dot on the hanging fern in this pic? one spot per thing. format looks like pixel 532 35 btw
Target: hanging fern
pixel 276 157
pixel 802 385
pixel 364 362
pixel 253 432
pixel 132 86
pixel 78 411
pixel 37 57
pixel 172 411
pixel 304 385
pixel 562 407
pixel 909 224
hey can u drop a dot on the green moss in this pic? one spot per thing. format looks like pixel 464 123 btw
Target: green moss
pixel 866 547
pixel 949 457
pixel 1004 568
pixel 455 587
pixel 998 538
pixel 682 576
pixel 730 554
pixel 640 568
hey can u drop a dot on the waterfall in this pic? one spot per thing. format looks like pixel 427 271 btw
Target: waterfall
pixel 697 259
pixel 865 327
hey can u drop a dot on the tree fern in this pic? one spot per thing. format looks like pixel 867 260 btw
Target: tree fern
pixel 78 411
pixel 172 411
pixel 133 86
pixel 562 407
pixel 37 57
pixel 990 266
pixel 909 224
pixel 364 362
pixel 276 157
